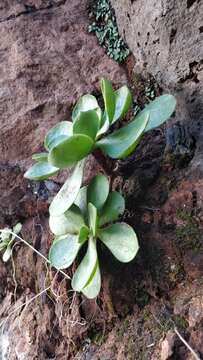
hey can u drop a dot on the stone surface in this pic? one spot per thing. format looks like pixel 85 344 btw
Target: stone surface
pixel 47 60
pixel 167 345
pixel 166 38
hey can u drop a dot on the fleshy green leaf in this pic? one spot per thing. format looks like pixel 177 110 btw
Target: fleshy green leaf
pixel 93 219
pixel 121 240
pixel 69 222
pixel 81 200
pixel 123 100
pixel 68 152
pixel 97 191
pixel 41 171
pixel 87 123
pixel 122 142
pixel 43 156
pixel 17 228
pixel 69 191
pixel 87 268
pixel 105 125
pixel 83 234
pixel 7 254
pixel 109 98
pixel 86 103
pixel 64 251
pixel 159 110
pixel 57 134
pixel 114 206
pixel 93 288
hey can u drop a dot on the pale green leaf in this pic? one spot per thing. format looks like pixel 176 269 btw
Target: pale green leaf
pixel 64 251
pixel 7 254
pixel 159 110
pixel 87 268
pixel 93 218
pixel 123 101
pixel 57 134
pixel 109 98
pixel 97 191
pixel 86 103
pixel 69 191
pixel 87 123
pixel 83 234
pixel 43 156
pixel 81 200
pixel 105 126
pixel 68 152
pixel 122 142
pixel 41 171
pixel 113 208
pixel 92 290
pixel 121 240
pixel 69 222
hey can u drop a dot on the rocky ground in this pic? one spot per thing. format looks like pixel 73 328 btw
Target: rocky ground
pixel 48 60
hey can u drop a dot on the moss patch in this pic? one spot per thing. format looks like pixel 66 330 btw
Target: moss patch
pixel 105 28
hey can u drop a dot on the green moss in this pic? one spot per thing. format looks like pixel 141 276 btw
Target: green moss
pixel 122 328
pixel 180 322
pixel 105 28
pixel 188 234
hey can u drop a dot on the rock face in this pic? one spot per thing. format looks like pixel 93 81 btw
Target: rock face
pixel 47 60
pixel 166 38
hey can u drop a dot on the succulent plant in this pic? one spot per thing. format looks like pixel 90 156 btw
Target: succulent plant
pixel 88 220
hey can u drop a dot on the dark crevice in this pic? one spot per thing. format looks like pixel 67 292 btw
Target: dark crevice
pixel 193 74
pixel 190 3
pixel 29 10
pixel 172 35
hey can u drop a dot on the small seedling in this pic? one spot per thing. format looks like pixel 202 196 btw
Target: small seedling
pixel 7 239
pixel 89 219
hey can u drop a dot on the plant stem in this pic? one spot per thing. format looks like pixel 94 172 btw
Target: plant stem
pixel 196 357
pixel 36 251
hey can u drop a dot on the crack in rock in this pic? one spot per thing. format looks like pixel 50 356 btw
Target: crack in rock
pixel 29 10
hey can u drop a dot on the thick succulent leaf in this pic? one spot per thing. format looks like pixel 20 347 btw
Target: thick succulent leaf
pixel 86 103
pixel 92 290
pixel 64 251
pixel 104 125
pixel 7 254
pixel 122 142
pixel 113 208
pixel 41 171
pixel 93 218
pixel 17 228
pixel 68 152
pixel 121 240
pixel 81 200
pixel 83 234
pixel 43 156
pixel 69 191
pixel 123 100
pixel 87 268
pixel 109 98
pixel 87 123
pixel 58 133
pixel 160 110
pixel 69 222
pixel 97 191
